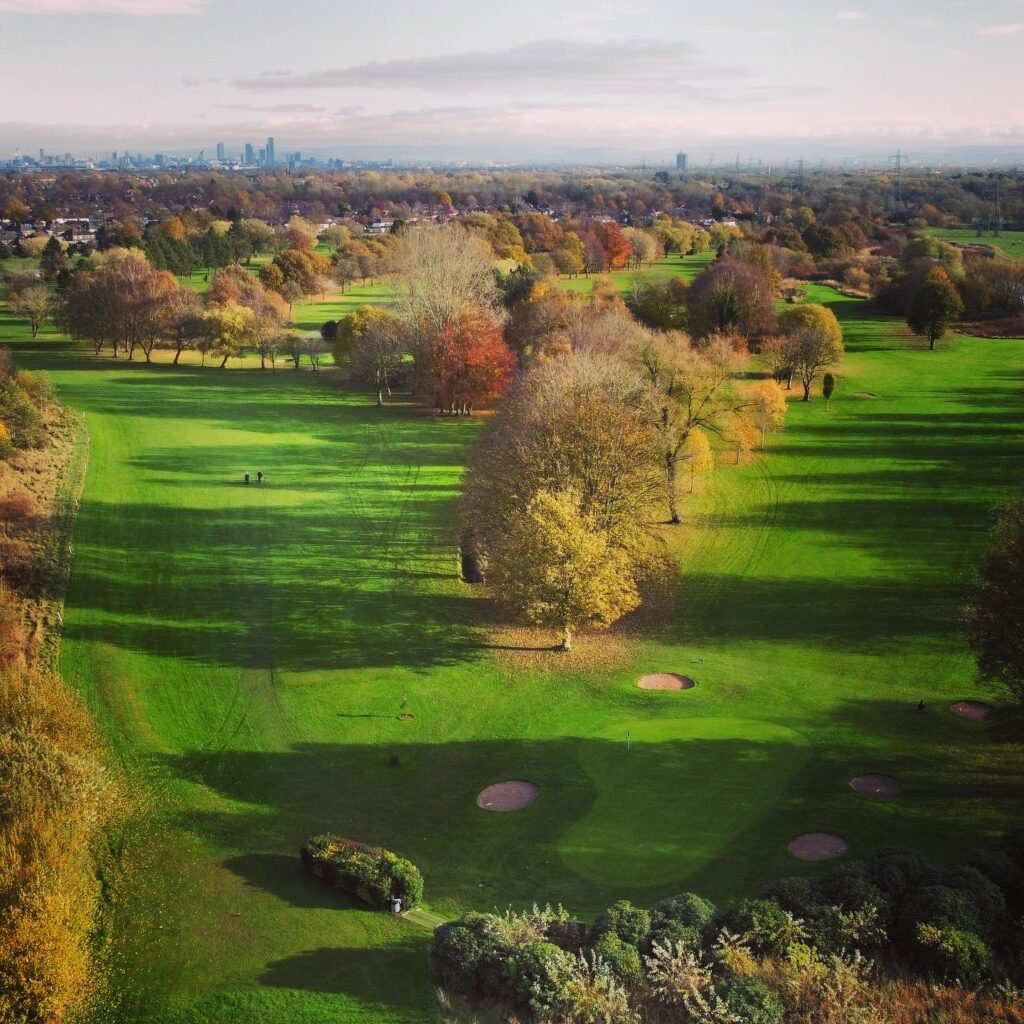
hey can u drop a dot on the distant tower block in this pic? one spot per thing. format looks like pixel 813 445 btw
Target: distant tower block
pixel 680 161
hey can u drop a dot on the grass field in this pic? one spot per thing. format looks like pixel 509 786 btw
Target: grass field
pixel 687 267
pixel 1011 243
pixel 248 650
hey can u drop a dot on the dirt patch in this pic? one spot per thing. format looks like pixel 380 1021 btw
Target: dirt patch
pixel 507 796
pixel 817 846
pixel 878 787
pixel 665 681
pixel 866 394
pixel 975 710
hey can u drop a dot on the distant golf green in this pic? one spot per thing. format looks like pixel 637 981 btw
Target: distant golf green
pixel 249 650
pixel 1010 243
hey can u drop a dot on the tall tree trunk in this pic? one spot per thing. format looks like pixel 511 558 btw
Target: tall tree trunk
pixel 807 390
pixel 469 560
pixel 177 356
pixel 566 639
pixel 224 362
pixel 671 468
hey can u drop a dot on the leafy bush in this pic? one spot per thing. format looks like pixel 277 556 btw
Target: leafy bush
pixel 952 953
pixel 466 955
pixel 622 958
pixel 897 871
pixel 686 909
pixel 536 975
pixel 6 443
pixel 752 1001
pixel 630 923
pixel 366 872
pixel 764 924
pixel 21 417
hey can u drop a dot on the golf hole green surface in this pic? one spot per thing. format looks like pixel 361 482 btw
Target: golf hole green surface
pixel 678 796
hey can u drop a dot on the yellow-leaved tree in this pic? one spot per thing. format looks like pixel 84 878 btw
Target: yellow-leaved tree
pixel 769 406
pixel 697 455
pixel 558 567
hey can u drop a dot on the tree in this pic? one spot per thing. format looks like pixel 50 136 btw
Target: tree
pixel 935 306
pixel 570 256
pixel 814 341
pixel 769 406
pixel 34 305
pixel 743 434
pixel 995 618
pixel 351 328
pixel 731 295
pixel 230 328
pixel 660 305
pixel 439 272
pixel 687 390
pixel 558 567
pixel 376 353
pixel 53 259
pixel 828 386
pixel 466 363
pixel 697 455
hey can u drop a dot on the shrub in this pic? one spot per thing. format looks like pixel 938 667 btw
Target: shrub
pixel 764 924
pixel 686 909
pixel 897 871
pixel 465 957
pixel 622 958
pixel 17 508
pixel 984 895
pixel 6 444
pixel 536 975
pixel 366 872
pixel 752 1001
pixel 630 923
pixel 935 905
pixel 21 417
pixel 798 896
pixel 952 953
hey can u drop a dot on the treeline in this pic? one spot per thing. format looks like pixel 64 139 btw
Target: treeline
pixel 57 796
pixel 931 198
pixel 845 946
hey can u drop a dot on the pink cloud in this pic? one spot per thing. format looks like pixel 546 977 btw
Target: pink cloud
pixel 137 8
pixel 1012 29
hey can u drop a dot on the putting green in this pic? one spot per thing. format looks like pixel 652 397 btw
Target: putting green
pixel 680 794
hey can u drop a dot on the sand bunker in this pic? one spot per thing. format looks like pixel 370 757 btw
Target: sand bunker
pixel 665 681
pixel 879 787
pixel 507 796
pixel 975 710
pixel 817 846
pixel 866 394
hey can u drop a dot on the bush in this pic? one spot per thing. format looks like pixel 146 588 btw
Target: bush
pixel 466 956
pixel 764 924
pixel 938 906
pixel 984 895
pixel 21 417
pixel 366 872
pixel 630 923
pixel 952 954
pixel 686 909
pixel 6 443
pixel 536 975
pixel 621 957
pixel 897 871
pixel 752 1001
pixel 17 508
pixel 797 896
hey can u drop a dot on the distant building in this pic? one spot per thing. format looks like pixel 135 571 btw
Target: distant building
pixel 270 151
pixel 159 159
pixel 680 161
pixel 250 156
pixel 263 157
pixel 220 150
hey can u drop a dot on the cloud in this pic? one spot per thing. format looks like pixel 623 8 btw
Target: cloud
pixel 135 8
pixel 278 108
pixel 851 16
pixel 604 67
pixel 1012 29
pixel 194 81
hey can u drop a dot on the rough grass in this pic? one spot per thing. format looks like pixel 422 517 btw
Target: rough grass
pixel 248 651
pixel 687 267
pixel 1011 243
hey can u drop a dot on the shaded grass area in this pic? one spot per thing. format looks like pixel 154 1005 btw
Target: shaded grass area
pixel 686 267
pixel 249 650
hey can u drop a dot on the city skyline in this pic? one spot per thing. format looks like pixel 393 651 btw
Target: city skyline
pixel 625 77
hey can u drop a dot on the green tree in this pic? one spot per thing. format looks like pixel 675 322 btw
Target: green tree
pixel 935 306
pixel 995 619
pixel 814 341
pixel 53 259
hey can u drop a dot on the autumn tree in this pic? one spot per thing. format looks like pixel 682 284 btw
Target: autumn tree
pixel 732 295
pixel 466 363
pixel 814 341
pixel 558 567
pixel 742 434
pixel 935 306
pixel 576 423
pixel 659 304
pixel 697 456
pixel 229 328
pixel 995 617
pixel 768 406
pixel 53 259
pixel 687 390
pixel 352 327
pixel 32 304
pixel 569 255
pixel 376 352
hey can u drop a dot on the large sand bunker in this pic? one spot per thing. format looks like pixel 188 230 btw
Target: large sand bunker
pixel 665 681
pixel 878 787
pixel 507 796
pixel 818 846
pixel 975 710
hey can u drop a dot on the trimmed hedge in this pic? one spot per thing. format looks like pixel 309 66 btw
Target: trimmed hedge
pixel 369 873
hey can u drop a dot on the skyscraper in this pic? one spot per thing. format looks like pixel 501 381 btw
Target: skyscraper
pixel 250 156
pixel 270 151
pixel 680 161
pixel 220 150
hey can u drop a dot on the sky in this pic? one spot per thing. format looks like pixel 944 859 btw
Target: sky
pixel 533 80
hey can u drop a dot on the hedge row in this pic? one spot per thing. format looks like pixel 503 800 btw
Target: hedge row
pixel 369 873
pixel 893 909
